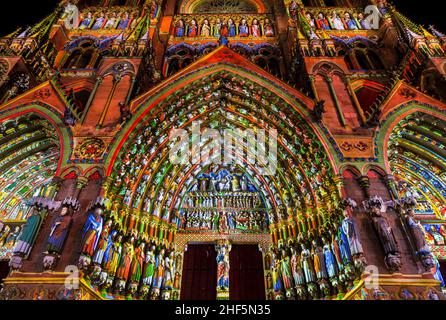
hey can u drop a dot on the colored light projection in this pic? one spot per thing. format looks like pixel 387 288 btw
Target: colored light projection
pixel 109 19
pixel 223 201
pixel 29 155
pixel 147 187
pixel 315 21
pixel 417 157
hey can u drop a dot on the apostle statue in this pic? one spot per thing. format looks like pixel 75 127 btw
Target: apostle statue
pixel 296 267
pixel 330 260
pixel 91 233
pixel 112 257
pixel 169 271
pixel 307 264
pixel 158 276
pixel 285 270
pixel 125 263
pixel 375 206
pixel 149 267
pixel 276 277
pixel 29 233
pixel 137 267
pixel 319 262
pixel 350 231
pixel 59 229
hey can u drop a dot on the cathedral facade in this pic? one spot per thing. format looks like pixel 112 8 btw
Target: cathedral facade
pixel 223 150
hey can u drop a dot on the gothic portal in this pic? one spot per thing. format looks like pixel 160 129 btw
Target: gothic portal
pixel 230 149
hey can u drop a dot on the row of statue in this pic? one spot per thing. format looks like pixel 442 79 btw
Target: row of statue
pixel 8 240
pixel 101 19
pixel 123 264
pixel 331 263
pixel 222 181
pixel 244 200
pixel 334 20
pixel 346 21
pixel 322 269
pixel 405 208
pixel 219 27
pixel 224 221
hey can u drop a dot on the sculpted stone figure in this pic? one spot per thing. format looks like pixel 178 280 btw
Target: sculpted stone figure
pixel 350 230
pixel 418 235
pixel 298 274
pixel 59 230
pixel 385 234
pixel 29 233
pixel 285 269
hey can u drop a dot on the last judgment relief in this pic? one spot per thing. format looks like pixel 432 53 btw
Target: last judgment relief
pixel 223 150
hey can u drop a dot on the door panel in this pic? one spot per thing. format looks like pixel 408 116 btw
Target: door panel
pixel 199 281
pixel 246 278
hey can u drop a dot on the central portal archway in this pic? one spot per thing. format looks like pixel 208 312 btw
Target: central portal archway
pixel 289 195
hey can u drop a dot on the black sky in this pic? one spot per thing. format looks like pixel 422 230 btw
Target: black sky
pixel 27 12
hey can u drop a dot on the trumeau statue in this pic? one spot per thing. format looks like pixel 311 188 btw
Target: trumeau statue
pixel 376 207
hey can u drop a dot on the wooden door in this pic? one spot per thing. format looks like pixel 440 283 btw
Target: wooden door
pixel 199 280
pixel 246 276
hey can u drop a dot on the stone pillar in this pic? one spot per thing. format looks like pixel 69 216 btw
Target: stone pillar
pixel 364 183
pixel 329 81
pixel 356 102
pixel 116 80
pixel 54 187
pixel 313 87
pixel 391 185
pixel 81 183
pixel 92 95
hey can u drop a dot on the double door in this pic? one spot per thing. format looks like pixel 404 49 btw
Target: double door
pixel 246 278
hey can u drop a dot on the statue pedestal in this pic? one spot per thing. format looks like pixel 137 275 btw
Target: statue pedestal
pixel 222 294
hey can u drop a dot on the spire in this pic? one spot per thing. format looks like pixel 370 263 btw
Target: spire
pixel 435 32
pixel 14 33
pixel 408 24
pixel 42 29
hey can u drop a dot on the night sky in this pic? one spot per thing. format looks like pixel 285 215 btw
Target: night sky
pixel 28 12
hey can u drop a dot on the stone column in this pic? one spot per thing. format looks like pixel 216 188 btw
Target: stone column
pixel 313 87
pixel 356 102
pixel 364 183
pixel 99 81
pixel 54 187
pixel 329 81
pixel 81 183
pixel 391 186
pixel 116 80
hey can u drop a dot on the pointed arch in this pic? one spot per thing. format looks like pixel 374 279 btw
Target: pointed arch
pixel 34 145
pixel 231 93
pixel 413 150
